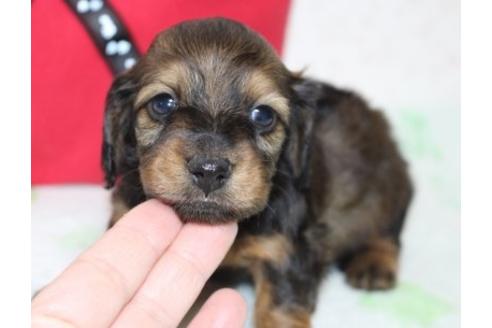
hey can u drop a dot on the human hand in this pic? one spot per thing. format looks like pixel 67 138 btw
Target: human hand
pixel 144 272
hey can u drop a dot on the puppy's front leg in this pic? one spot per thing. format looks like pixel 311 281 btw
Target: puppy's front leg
pixel 286 277
pixel 283 299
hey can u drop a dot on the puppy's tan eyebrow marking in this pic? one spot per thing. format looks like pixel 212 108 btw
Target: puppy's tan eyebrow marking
pixel 167 79
pixel 151 90
pixel 259 86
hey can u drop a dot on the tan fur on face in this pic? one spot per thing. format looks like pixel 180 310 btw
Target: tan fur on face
pixel 147 130
pixel 271 143
pixel 165 174
pixel 248 185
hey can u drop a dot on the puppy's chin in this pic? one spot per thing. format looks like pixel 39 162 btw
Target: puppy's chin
pixel 208 212
pixel 212 210
pixel 205 212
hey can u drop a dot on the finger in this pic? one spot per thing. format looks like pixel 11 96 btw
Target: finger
pixel 92 290
pixel 178 277
pixel 226 308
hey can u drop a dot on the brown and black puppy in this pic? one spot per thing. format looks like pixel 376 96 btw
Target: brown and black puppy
pixel 211 122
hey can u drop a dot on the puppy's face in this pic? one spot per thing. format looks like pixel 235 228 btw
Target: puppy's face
pixel 209 116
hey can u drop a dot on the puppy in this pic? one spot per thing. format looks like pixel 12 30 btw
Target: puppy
pixel 211 122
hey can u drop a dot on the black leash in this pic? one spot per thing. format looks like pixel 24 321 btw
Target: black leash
pixel 107 32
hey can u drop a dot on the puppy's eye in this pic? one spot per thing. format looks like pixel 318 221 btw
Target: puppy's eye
pixel 262 116
pixel 162 105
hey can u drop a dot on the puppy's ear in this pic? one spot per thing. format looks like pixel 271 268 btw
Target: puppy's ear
pixel 303 101
pixel 119 143
pixel 309 98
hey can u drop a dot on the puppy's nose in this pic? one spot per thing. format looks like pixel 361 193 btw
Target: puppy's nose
pixel 209 174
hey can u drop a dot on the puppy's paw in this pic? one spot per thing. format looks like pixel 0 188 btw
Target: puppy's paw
pixel 372 269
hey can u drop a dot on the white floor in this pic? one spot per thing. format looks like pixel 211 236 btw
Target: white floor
pixel 404 57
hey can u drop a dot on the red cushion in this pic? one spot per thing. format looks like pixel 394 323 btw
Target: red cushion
pixel 70 79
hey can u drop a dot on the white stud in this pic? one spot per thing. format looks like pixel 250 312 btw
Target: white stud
pixel 83 6
pixel 111 48
pixel 121 47
pixel 108 28
pixel 129 62
pixel 96 5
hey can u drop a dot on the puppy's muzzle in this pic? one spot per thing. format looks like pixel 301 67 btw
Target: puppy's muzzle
pixel 209 174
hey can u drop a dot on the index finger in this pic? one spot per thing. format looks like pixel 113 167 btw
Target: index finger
pixel 178 277
pixel 92 290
